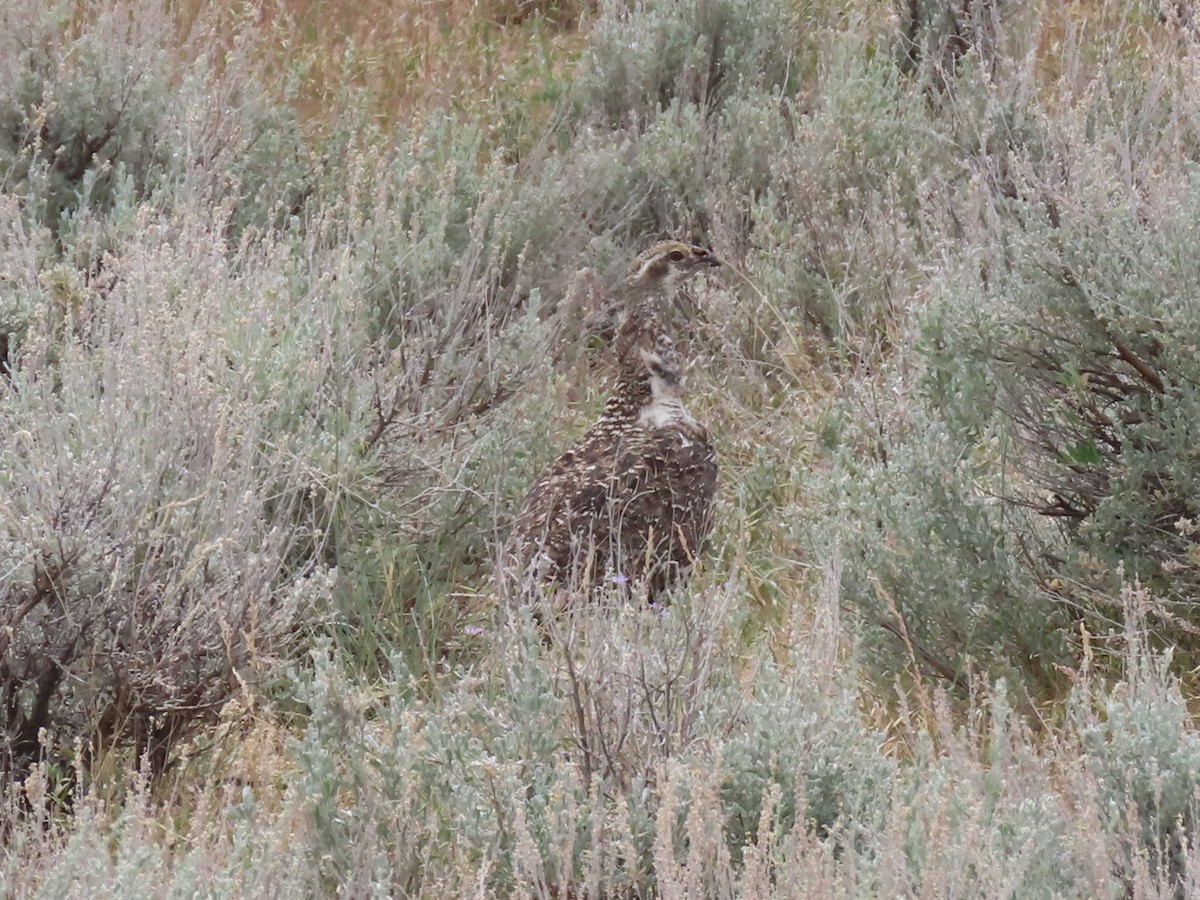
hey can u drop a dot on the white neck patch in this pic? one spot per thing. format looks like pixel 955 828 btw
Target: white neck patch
pixel 665 407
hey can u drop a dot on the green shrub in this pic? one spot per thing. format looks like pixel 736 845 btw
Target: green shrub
pixel 980 808
pixel 1076 337
pixel 800 740
pixel 81 116
pixel 412 791
pixel 156 485
pixel 838 235
pixel 164 425
pixel 644 58
pixel 1141 746
pixel 107 113
pixel 934 564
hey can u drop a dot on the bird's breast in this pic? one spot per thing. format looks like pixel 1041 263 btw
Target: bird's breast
pixel 664 412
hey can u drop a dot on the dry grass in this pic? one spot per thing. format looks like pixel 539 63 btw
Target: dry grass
pixel 404 59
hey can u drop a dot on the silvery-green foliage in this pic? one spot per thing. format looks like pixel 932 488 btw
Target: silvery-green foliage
pixel 153 487
pixel 465 781
pixel 172 392
pixel 646 55
pixel 109 114
pixel 934 563
pixel 982 782
pixel 1142 747
pixel 800 737
pixel 1073 337
pixel 83 116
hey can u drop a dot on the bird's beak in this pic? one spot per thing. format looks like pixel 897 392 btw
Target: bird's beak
pixel 708 258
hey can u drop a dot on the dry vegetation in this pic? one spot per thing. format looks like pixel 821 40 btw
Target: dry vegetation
pixel 283 339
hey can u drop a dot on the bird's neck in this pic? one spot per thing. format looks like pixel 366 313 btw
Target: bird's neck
pixel 630 396
pixel 640 326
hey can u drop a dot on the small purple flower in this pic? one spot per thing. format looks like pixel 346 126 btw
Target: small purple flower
pixel 473 630
pixel 620 578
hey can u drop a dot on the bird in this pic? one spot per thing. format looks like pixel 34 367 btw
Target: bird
pixel 630 503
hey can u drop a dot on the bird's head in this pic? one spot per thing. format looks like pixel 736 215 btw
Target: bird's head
pixel 651 289
pixel 668 265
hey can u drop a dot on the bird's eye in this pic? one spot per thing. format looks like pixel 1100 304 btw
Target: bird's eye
pixel 677 256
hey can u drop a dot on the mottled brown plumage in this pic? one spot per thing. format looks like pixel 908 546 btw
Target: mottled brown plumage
pixel 632 499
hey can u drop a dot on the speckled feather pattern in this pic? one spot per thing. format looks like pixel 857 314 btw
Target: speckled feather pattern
pixel 632 498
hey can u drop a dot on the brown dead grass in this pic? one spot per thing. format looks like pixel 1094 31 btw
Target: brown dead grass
pixel 405 59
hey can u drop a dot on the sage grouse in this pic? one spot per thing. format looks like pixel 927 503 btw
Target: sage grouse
pixel 632 499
